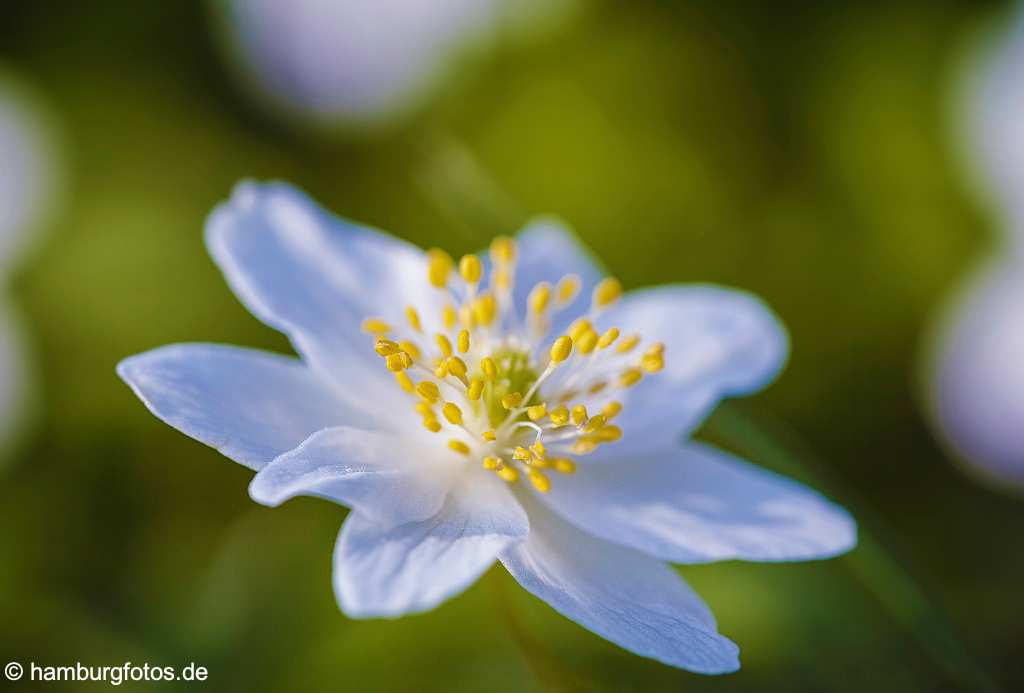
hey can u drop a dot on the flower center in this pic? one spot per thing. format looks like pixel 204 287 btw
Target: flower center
pixel 507 396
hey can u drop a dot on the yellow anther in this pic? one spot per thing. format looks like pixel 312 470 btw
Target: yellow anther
pixel 561 349
pixel 539 298
pixel 521 454
pixel 568 395
pixel 559 415
pixel 431 424
pixel 458 446
pixel 452 412
pixel 611 410
pixel 509 474
pixel 501 279
pixel 489 369
pixel 470 269
pixel 564 466
pixel 652 363
pixel 463 341
pixel 656 349
pixel 539 480
pixel 439 266
pixel 598 387
pixel 595 423
pixel 448 316
pixel 404 381
pixel 583 446
pixel 538 450
pixel 441 369
pixel 512 400
pixel 568 287
pixel 375 326
pixel 579 415
pixel 608 434
pixel 385 347
pixel 444 344
pixel 413 318
pixel 537 412
pixel 485 308
pixel 503 250
pixel 489 436
pixel 411 349
pixel 586 342
pixel 578 327
pixel 627 344
pixel 492 463
pixel 607 338
pixel 476 388
pixel 428 391
pixel 457 367
pixel 424 409
pixel 398 361
pixel 630 377
pixel 466 318
pixel 607 292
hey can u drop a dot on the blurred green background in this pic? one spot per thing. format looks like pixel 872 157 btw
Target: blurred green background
pixel 801 151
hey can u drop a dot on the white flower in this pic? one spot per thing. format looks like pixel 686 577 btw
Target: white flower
pixel 462 432
pixel 974 370
pixel 359 60
pixel 27 192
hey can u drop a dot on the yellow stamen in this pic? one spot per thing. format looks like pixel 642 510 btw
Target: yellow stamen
pixel 607 292
pixel 439 266
pixel 492 463
pixel 652 363
pixel 428 391
pixel 559 415
pixel 458 446
pixel 485 308
pixel 375 326
pixel 579 414
pixel 656 349
pixel 512 400
pixel 630 377
pixel 521 454
pixel 539 481
pixel 608 434
pixel 586 342
pixel 398 361
pixel 607 338
pixel 537 412
pixel 444 344
pixel 466 318
pixel 538 450
pixel 568 287
pixel 595 423
pixel 627 344
pixel 578 327
pixel 441 369
pixel 501 279
pixel 424 409
pixel 385 347
pixel 539 297
pixel 509 474
pixel 564 466
pixel 457 367
pixel 470 269
pixel 598 387
pixel 583 446
pixel 411 349
pixel 476 388
pixel 452 412
pixel 503 250
pixel 561 349
pixel 611 410
pixel 413 318
pixel 448 316
pixel 489 369
pixel 463 341
pixel 489 436
pixel 404 381
pixel 432 424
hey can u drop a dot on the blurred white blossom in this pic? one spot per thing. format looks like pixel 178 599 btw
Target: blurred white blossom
pixel 364 61
pixel 975 371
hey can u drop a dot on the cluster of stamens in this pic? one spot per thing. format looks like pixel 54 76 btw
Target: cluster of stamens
pixel 484 381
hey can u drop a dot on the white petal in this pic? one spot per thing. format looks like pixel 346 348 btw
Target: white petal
pixel 548 250
pixel 624 596
pixel 695 503
pixel 250 405
pixel 382 572
pixel 387 478
pixel 718 343
pixel 316 277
